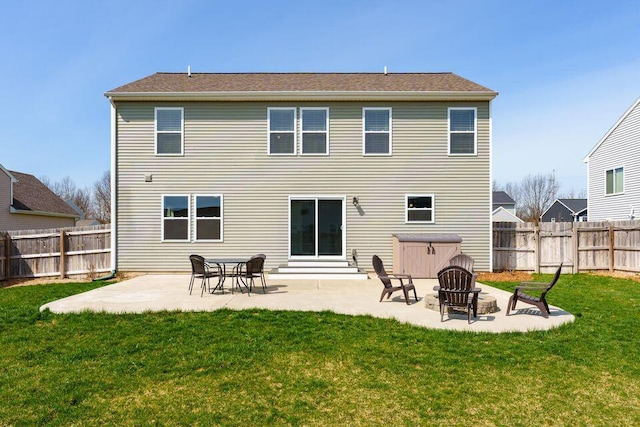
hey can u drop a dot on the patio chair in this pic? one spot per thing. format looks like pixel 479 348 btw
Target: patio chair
pixel 386 278
pixel 262 278
pixel 466 262
pixel 541 301
pixel 457 290
pixel 200 270
pixel 253 269
pixel 462 260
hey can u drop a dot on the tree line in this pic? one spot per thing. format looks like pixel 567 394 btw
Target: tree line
pixel 93 200
pixel 535 194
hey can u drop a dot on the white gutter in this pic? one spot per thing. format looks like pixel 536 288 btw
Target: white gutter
pixel 304 95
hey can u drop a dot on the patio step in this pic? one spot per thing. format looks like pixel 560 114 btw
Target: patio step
pixel 318 270
pixel 290 269
pixel 300 263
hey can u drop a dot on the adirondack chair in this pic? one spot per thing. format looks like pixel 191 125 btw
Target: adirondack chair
pixel 378 266
pixel 466 262
pixel 541 301
pixel 457 290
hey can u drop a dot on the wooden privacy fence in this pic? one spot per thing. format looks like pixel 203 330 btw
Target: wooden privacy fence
pixel 581 246
pixel 55 252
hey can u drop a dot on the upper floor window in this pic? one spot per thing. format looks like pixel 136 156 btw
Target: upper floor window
pixel 175 217
pixel 315 130
pixel 462 131
pixel 209 217
pixel 615 181
pixel 169 130
pixel 419 208
pixel 282 130
pixel 377 131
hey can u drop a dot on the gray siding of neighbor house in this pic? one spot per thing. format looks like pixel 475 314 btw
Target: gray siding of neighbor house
pixel 620 149
pixel 559 212
pixel 225 152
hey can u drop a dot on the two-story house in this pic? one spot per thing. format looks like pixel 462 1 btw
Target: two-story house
pixel 613 171
pixel 504 208
pixel 298 166
pixel 26 203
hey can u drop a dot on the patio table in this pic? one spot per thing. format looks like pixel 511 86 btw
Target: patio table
pixel 235 270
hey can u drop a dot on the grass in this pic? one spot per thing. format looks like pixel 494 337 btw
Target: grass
pixel 260 367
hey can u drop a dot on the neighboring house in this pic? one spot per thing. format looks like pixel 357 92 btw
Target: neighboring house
pixel 502 199
pixel 298 166
pixel 566 210
pixel 613 175
pixel 501 214
pixel 504 208
pixel 26 203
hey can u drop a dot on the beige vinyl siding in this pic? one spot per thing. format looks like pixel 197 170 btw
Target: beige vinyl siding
pixel 5 200
pixel 225 152
pixel 19 221
pixel 620 149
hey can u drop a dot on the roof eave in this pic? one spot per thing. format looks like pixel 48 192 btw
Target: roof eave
pixel 304 96
pixel 9 174
pixel 610 131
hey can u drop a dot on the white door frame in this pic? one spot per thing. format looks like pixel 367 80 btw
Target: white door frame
pixel 344 226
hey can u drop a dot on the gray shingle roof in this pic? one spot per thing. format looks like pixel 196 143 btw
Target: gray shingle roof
pixel 277 82
pixel 29 194
pixel 502 198
pixel 575 205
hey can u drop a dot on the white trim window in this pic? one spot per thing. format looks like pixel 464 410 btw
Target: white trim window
pixel 376 131
pixel 208 217
pixel 463 131
pixel 614 181
pixel 314 131
pixel 175 217
pixel 169 131
pixel 281 122
pixel 420 208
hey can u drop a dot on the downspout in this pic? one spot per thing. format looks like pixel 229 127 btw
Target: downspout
pixel 490 186
pixel 114 190
pixel 112 275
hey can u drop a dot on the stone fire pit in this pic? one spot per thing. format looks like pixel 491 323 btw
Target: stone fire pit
pixel 486 303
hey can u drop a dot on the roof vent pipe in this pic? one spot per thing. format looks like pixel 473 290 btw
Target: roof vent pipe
pixel 385 70
pixel 189 70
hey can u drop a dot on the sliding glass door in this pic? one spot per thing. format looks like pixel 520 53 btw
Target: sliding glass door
pixel 316 227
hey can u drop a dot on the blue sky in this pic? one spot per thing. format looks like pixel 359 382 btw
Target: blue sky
pixel 565 70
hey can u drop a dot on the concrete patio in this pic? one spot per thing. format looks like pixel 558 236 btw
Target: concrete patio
pixel 169 292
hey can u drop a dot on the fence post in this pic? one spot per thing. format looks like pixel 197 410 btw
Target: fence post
pixel 576 247
pixel 611 247
pixel 63 257
pixel 7 256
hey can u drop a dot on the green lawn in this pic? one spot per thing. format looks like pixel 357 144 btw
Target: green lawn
pixel 316 369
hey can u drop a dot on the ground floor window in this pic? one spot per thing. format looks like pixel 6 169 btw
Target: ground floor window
pixel 420 208
pixel 209 217
pixel 175 218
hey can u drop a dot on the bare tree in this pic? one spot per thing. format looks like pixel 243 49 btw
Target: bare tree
pixel 573 194
pixel 102 198
pixel 533 195
pixel 536 193
pixel 68 190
